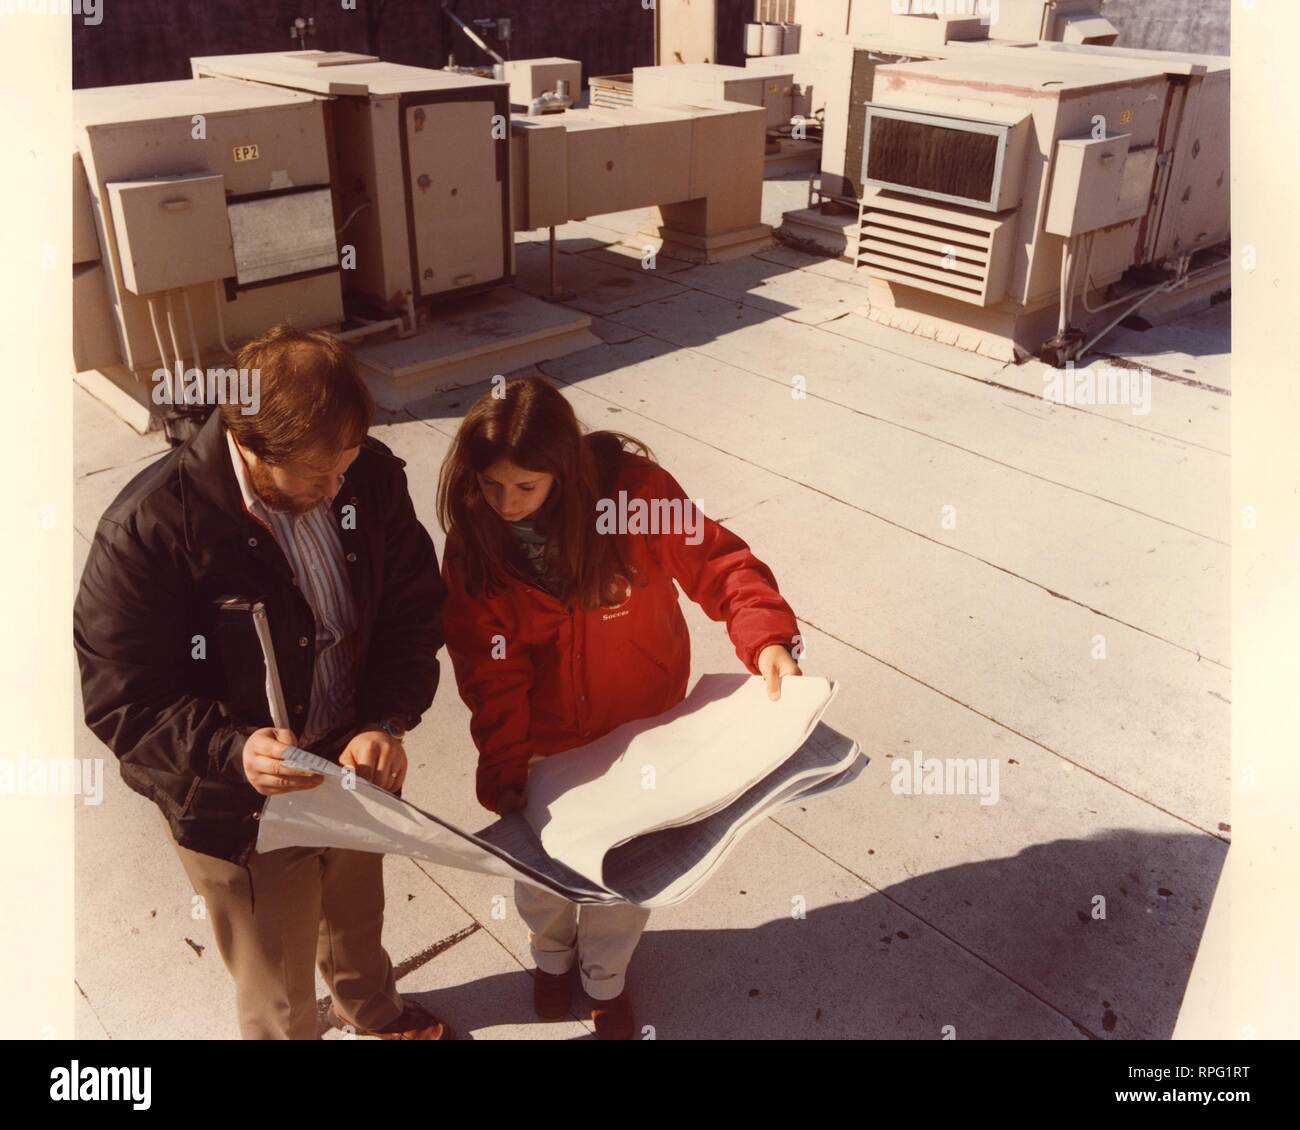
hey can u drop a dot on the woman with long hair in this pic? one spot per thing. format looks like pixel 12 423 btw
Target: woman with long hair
pixel 562 623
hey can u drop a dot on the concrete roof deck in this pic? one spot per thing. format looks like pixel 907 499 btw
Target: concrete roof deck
pixel 961 553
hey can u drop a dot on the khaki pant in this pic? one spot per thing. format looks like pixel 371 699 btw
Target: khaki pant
pixel 307 908
pixel 601 938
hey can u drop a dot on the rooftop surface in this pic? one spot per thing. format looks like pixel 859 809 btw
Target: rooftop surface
pixel 989 575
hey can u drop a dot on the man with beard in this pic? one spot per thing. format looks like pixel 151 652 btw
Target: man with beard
pixel 294 507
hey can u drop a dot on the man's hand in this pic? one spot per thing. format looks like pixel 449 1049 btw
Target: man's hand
pixel 378 757
pixel 774 663
pixel 265 768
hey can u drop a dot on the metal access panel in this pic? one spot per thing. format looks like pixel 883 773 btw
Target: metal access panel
pixel 283 235
pixel 1086 184
pixel 1196 207
pixel 172 231
pixel 456 168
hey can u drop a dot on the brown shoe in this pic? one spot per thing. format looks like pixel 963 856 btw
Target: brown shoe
pixel 613 1018
pixel 551 994
pixel 415 1023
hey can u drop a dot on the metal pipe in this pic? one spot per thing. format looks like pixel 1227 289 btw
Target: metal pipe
pixel 412 320
pixel 474 36
pixel 559 97
pixel 1182 278
pixel 555 273
pixel 171 329
pixel 194 341
pixel 221 321
pixel 1063 320
pixel 352 216
pixel 163 359
pixel 1067 284
pixel 369 328
pixel 1083 349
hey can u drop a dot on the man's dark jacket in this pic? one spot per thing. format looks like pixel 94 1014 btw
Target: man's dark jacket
pixel 174 686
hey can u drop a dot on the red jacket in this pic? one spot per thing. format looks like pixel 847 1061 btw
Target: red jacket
pixel 566 678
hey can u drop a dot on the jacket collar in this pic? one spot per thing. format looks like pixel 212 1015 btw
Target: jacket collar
pixel 210 497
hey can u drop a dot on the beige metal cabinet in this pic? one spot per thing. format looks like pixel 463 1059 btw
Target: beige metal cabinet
pixel 172 231
pixel 421 169
pixel 247 142
pixel 530 77
pixel 1086 184
pixel 455 192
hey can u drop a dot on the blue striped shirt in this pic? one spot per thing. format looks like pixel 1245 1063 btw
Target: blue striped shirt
pixel 310 543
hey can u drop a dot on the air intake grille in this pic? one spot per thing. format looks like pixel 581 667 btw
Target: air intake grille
pixel 970 162
pixel 945 250
pixel 916 155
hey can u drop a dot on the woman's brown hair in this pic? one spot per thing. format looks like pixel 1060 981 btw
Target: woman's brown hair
pixel 529 423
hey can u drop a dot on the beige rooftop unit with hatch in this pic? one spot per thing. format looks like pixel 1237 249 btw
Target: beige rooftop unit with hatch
pixel 1021 198
pixel 843 45
pixel 209 205
pixel 420 166
pixel 279 187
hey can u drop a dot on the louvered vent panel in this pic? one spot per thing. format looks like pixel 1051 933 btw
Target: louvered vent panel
pixel 948 251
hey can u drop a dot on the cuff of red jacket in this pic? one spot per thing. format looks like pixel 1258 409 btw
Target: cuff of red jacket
pixel 492 780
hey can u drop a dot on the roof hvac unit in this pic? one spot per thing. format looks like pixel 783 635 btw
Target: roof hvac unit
pixel 974 162
pixel 420 163
pixel 210 206
pixel 1069 21
pixel 1044 183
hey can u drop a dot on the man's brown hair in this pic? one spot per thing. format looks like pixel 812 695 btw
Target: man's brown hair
pixel 312 396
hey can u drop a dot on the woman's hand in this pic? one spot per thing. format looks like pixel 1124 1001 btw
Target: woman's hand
pixel 774 663
pixel 502 789
pixel 511 800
